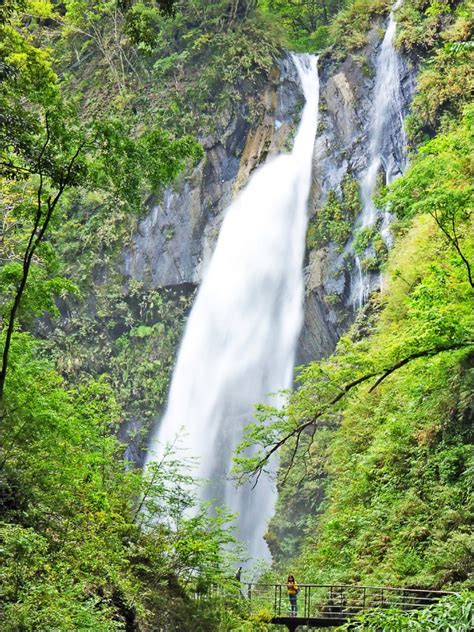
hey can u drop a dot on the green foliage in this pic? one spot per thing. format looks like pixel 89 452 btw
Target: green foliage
pixel 47 149
pixel 451 613
pixel 207 61
pixel 362 239
pixel 424 25
pixel 444 86
pixel 440 183
pixel 191 64
pixel 142 25
pixel 352 24
pixel 81 547
pixel 334 221
pixel 132 336
pixel 442 33
pixel 305 21
pixel 379 490
pixel 368 243
pixel 440 176
pixel 301 490
pixel 385 521
pixel 80 543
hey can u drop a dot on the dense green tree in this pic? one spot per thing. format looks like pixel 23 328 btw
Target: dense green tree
pixel 87 542
pixel 305 20
pixel 439 182
pixel 48 149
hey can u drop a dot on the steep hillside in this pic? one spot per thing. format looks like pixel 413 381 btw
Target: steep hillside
pixel 427 114
pixel 379 489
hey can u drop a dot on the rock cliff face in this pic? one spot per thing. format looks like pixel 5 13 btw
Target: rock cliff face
pixel 175 241
pixel 342 150
pixel 131 323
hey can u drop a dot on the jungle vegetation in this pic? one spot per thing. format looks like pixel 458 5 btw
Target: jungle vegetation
pixel 101 104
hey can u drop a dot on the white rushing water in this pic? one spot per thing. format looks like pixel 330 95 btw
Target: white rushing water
pixel 240 339
pixel 386 141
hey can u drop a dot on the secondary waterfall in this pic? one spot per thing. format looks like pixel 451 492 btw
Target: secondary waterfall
pixel 386 148
pixel 240 339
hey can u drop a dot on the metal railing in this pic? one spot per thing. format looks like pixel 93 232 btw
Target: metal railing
pixel 336 601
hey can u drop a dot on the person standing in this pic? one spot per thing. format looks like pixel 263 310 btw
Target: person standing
pixel 293 590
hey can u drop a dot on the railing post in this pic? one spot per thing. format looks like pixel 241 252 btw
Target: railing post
pixel 276 597
pixel 279 608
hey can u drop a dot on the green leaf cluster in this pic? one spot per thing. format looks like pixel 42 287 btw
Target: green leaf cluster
pixel 306 22
pixel 132 337
pixel 451 613
pixel 439 36
pixel 206 58
pixel 48 149
pixel 186 67
pixel 368 244
pixel 334 221
pixel 87 542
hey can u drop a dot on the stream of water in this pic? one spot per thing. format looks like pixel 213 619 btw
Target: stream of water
pixel 386 150
pixel 240 339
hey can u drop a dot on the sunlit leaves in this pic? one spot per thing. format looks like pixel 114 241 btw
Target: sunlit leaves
pixel 79 526
pixel 453 613
pixel 440 183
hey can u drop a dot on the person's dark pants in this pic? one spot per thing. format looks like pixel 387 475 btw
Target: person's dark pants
pixel 293 603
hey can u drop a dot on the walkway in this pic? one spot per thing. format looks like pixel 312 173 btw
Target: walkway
pixel 327 605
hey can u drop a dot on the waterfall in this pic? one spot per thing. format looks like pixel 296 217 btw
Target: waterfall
pixel 240 339
pixel 386 149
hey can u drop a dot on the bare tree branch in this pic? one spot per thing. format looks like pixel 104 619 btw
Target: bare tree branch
pixel 296 432
pixel 40 226
pixel 454 241
pixel 16 168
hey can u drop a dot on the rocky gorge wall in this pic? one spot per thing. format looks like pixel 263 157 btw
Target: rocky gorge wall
pixel 173 244
pixel 138 291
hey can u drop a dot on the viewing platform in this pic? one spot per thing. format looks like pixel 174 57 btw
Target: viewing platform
pixel 331 605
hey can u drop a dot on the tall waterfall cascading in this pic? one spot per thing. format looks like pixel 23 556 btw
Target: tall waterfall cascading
pixel 240 340
pixel 386 149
